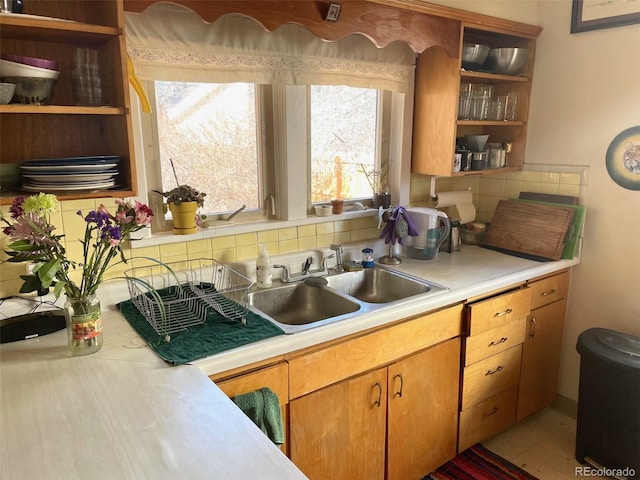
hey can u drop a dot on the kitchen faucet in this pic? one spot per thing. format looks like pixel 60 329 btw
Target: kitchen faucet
pixel 306 272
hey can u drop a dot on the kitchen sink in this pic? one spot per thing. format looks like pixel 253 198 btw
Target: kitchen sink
pixel 294 305
pixel 376 285
pixel 318 301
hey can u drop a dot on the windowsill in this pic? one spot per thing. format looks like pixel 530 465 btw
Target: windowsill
pixel 164 238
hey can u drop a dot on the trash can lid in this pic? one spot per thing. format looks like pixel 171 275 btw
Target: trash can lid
pixel 611 347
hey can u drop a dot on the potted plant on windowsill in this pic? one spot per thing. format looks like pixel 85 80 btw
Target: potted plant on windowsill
pixel 377 181
pixel 183 201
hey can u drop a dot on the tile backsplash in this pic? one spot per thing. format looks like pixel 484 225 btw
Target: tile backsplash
pixel 486 189
pixel 227 249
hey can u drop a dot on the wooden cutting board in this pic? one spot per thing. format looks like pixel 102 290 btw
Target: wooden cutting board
pixel 528 229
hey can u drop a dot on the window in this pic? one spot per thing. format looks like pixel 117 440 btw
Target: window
pixel 344 141
pixel 311 114
pixel 207 136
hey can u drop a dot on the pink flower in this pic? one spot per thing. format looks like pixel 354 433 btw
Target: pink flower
pixel 144 214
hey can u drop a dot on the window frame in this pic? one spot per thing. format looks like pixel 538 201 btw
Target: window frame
pixel 282 141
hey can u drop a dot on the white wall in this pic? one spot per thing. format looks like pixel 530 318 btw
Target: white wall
pixel 586 90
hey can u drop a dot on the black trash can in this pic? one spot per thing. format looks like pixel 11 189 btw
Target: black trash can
pixel 608 425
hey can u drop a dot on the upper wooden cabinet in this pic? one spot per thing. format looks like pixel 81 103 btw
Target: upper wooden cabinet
pixel 438 83
pixel 54 30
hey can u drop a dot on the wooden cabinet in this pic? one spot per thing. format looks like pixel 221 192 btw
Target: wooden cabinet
pixel 543 344
pixel 422 416
pixel 438 81
pixel 275 377
pixel 385 401
pixel 405 413
pixel 54 30
pixel 339 432
pixel 492 362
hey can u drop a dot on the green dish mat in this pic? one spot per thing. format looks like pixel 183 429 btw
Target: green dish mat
pixel 217 334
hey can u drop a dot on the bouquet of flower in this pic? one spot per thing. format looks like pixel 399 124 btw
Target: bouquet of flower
pixel 33 240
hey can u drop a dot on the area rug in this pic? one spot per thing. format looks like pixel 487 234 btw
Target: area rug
pixel 478 463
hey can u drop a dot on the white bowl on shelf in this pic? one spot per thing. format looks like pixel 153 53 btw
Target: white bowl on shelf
pixel 15 69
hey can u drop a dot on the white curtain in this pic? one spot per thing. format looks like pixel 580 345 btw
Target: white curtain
pixel 171 42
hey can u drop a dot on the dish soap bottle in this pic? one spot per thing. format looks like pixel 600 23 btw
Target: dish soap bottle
pixel 263 268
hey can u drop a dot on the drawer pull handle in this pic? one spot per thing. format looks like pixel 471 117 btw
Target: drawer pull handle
pixel 378 402
pixel 399 392
pixel 533 328
pixel 502 340
pixel 493 411
pixel 549 292
pixel 502 314
pixel 491 372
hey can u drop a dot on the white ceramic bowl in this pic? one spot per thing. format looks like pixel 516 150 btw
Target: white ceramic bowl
pixel 323 210
pixel 14 69
pixel 6 92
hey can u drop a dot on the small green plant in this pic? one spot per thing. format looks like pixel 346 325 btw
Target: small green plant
pixel 183 193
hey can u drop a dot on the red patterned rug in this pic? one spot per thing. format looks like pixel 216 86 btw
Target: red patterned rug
pixel 478 463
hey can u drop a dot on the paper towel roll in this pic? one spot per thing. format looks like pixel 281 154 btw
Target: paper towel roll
pixel 462 200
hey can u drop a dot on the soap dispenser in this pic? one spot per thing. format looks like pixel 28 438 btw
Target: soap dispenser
pixel 263 268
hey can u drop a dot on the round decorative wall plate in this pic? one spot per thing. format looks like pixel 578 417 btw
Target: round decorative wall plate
pixel 623 159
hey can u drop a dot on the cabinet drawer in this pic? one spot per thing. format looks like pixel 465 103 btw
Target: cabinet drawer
pixel 549 290
pixel 312 371
pixel 496 311
pixel 487 418
pixel 491 375
pixel 494 341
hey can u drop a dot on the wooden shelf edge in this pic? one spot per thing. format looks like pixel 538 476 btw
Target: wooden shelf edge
pixel 35 22
pixel 60 109
pixel 487 171
pixel 495 77
pixel 497 123
pixel 8 197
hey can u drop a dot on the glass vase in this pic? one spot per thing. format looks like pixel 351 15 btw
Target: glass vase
pixel 84 324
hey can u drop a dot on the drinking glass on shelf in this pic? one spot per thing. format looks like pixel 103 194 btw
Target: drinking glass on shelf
pixel 464 107
pixel 479 107
pixel 511 100
pixel 496 109
pixel 481 90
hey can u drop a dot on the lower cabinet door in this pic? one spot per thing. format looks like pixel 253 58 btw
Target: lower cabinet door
pixel 423 411
pixel 339 432
pixel 541 358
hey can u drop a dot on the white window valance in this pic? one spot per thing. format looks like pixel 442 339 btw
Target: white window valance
pixel 171 42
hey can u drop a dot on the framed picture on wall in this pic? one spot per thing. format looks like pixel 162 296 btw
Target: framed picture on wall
pixel 596 14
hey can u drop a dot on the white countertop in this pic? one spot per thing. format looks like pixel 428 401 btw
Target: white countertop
pixel 124 413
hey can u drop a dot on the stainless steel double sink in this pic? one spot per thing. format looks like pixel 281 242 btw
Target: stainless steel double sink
pixel 299 306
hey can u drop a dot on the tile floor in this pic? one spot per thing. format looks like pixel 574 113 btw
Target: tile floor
pixel 543 445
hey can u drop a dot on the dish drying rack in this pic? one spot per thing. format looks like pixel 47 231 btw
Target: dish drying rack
pixel 173 297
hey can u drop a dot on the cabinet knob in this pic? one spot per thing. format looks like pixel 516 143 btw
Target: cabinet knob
pixel 494 343
pixel 378 402
pixel 493 411
pixel 532 330
pixel 491 372
pixel 399 392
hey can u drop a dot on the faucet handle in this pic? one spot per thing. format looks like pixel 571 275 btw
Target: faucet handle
pixel 335 247
pixel 286 275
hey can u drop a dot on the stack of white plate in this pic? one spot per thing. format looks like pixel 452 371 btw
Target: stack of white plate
pixel 70 174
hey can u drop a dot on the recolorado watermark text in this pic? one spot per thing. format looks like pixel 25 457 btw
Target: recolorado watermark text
pixel 587 471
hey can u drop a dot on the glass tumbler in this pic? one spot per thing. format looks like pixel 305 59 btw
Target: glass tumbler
pixel 86 75
pixel 511 101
